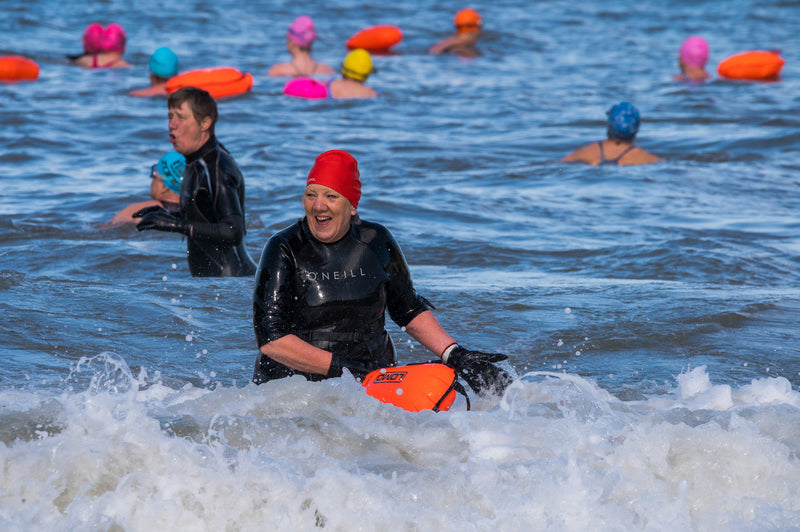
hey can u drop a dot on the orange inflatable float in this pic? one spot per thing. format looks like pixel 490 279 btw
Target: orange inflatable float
pixel 430 386
pixel 17 68
pixel 219 81
pixel 376 38
pixel 755 65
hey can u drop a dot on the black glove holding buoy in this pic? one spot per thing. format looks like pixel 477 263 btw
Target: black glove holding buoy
pixel 356 367
pixel 160 219
pixel 478 369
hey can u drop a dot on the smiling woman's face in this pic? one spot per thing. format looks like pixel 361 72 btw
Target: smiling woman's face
pixel 328 213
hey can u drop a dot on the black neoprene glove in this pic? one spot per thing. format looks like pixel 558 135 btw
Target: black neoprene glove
pixel 478 369
pixel 161 220
pixel 356 367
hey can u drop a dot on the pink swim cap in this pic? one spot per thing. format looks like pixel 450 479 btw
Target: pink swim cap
pixel 302 32
pixel 93 38
pixel 694 52
pixel 114 39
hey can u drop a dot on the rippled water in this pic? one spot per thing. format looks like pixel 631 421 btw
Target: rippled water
pixel 654 309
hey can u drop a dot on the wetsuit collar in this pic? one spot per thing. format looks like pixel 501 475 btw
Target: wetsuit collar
pixel 209 145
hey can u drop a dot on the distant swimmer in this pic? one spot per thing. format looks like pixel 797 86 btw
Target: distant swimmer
pixel 163 65
pixel 326 284
pixel 618 148
pixel 299 38
pixel 102 47
pixel 356 68
pixel 692 59
pixel 212 192
pixel 469 24
pixel 165 187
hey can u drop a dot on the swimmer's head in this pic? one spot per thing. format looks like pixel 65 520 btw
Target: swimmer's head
pixel 337 170
pixel 357 65
pixel 623 122
pixel 170 169
pixel 164 63
pixel 694 52
pixel 467 20
pixel 302 32
pixel 201 103
pixel 93 38
pixel 114 39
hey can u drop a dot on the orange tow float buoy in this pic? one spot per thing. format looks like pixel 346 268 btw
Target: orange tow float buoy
pixel 219 82
pixel 376 38
pixel 430 386
pixel 18 68
pixel 754 65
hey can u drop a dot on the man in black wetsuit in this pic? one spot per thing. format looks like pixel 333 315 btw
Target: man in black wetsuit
pixel 324 285
pixel 212 192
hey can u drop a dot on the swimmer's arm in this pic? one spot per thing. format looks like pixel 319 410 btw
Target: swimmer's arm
pixel 441 46
pixel 427 330
pixel 299 355
pixel 126 214
pixel 229 230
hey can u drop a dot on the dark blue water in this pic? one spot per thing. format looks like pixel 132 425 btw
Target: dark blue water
pixel 650 312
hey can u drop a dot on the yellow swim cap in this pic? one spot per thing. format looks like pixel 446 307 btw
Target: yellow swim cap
pixel 357 65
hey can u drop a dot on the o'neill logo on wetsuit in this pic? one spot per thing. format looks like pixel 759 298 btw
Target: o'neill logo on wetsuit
pixel 338 275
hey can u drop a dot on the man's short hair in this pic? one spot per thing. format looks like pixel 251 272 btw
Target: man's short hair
pixel 200 102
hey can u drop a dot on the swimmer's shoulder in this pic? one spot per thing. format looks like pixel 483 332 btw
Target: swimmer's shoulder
pixel 638 156
pixel 589 154
pixel 281 70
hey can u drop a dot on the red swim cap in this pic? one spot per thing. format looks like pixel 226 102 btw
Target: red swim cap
pixel 467 20
pixel 338 170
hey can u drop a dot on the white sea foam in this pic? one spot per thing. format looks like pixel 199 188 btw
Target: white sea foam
pixel 557 453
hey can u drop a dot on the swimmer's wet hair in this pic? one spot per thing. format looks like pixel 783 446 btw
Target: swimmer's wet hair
pixel 200 102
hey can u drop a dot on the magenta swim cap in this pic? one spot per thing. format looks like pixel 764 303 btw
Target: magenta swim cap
pixel 114 39
pixel 93 38
pixel 694 52
pixel 301 32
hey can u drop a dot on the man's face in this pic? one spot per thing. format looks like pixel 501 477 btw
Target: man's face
pixel 186 134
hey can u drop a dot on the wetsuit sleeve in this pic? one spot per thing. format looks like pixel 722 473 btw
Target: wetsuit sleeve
pixel 229 229
pixel 273 294
pixel 402 301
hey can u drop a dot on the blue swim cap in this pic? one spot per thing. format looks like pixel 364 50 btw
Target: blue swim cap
pixel 623 121
pixel 170 169
pixel 164 63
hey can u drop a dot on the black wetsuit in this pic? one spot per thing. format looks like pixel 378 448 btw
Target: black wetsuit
pixel 212 201
pixel 333 296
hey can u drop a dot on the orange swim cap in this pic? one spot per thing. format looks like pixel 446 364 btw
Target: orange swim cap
pixel 467 20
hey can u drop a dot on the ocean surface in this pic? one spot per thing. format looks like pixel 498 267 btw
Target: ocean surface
pixel 650 313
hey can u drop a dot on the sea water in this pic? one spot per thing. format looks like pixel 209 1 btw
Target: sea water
pixel 650 313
